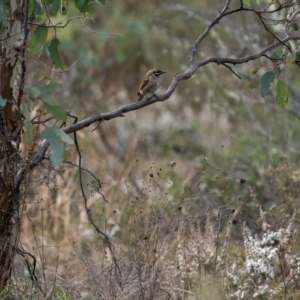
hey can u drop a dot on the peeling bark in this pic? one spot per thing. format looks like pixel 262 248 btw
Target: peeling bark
pixel 10 133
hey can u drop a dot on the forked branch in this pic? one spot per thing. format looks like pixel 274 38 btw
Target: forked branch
pixel 228 62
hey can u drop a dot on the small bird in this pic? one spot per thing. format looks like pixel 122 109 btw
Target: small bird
pixel 151 83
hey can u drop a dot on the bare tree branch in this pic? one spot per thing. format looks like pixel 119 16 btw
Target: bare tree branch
pixel 274 35
pixel 221 15
pixel 225 8
pixel 119 112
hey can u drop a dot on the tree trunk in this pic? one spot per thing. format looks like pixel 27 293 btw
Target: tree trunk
pixel 11 80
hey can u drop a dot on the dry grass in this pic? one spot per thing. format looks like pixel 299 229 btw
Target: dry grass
pixel 169 237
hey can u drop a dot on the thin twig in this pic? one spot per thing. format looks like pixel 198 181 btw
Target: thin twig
pixel 225 8
pixel 94 31
pixel 230 68
pixel 56 25
pixel 211 25
pixel 289 20
pixel 274 35
pixel 54 70
pixel 31 270
pixel 86 170
pixel 88 211
pixel 188 73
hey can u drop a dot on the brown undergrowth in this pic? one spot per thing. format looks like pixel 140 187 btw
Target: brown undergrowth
pixel 198 236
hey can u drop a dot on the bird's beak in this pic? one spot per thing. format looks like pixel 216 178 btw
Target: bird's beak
pixel 162 72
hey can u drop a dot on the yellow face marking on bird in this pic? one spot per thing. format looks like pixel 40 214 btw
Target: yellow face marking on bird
pixel 158 72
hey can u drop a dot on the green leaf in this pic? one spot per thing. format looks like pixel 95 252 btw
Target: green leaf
pixel 282 93
pixel 102 1
pixel 31 8
pixel 2 102
pixel 38 39
pixel 254 71
pixel 38 7
pixel 28 132
pixel 50 100
pixel 297 57
pixel 295 26
pixel 48 88
pixel 55 144
pixel 82 5
pixel 54 55
pixel 277 55
pixel 64 137
pixel 57 111
pixel 26 112
pixel 265 83
pixel 55 7
pixel 251 85
pixel 32 92
pixel 55 137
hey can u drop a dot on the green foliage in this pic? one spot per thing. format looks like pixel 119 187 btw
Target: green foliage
pixel 56 137
pixel 39 10
pixel 277 55
pixel 61 295
pixel 52 106
pixel 38 7
pixel 53 135
pixel 55 6
pixel 251 85
pixel 254 71
pixel 265 83
pixel 295 26
pixel 38 39
pixel 33 92
pixel 50 102
pixel 35 8
pixel 85 5
pixel 54 55
pixel 82 5
pixel 282 93
pixel 48 88
pixel 297 57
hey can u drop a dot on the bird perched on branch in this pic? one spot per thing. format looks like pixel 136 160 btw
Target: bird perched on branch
pixel 151 83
